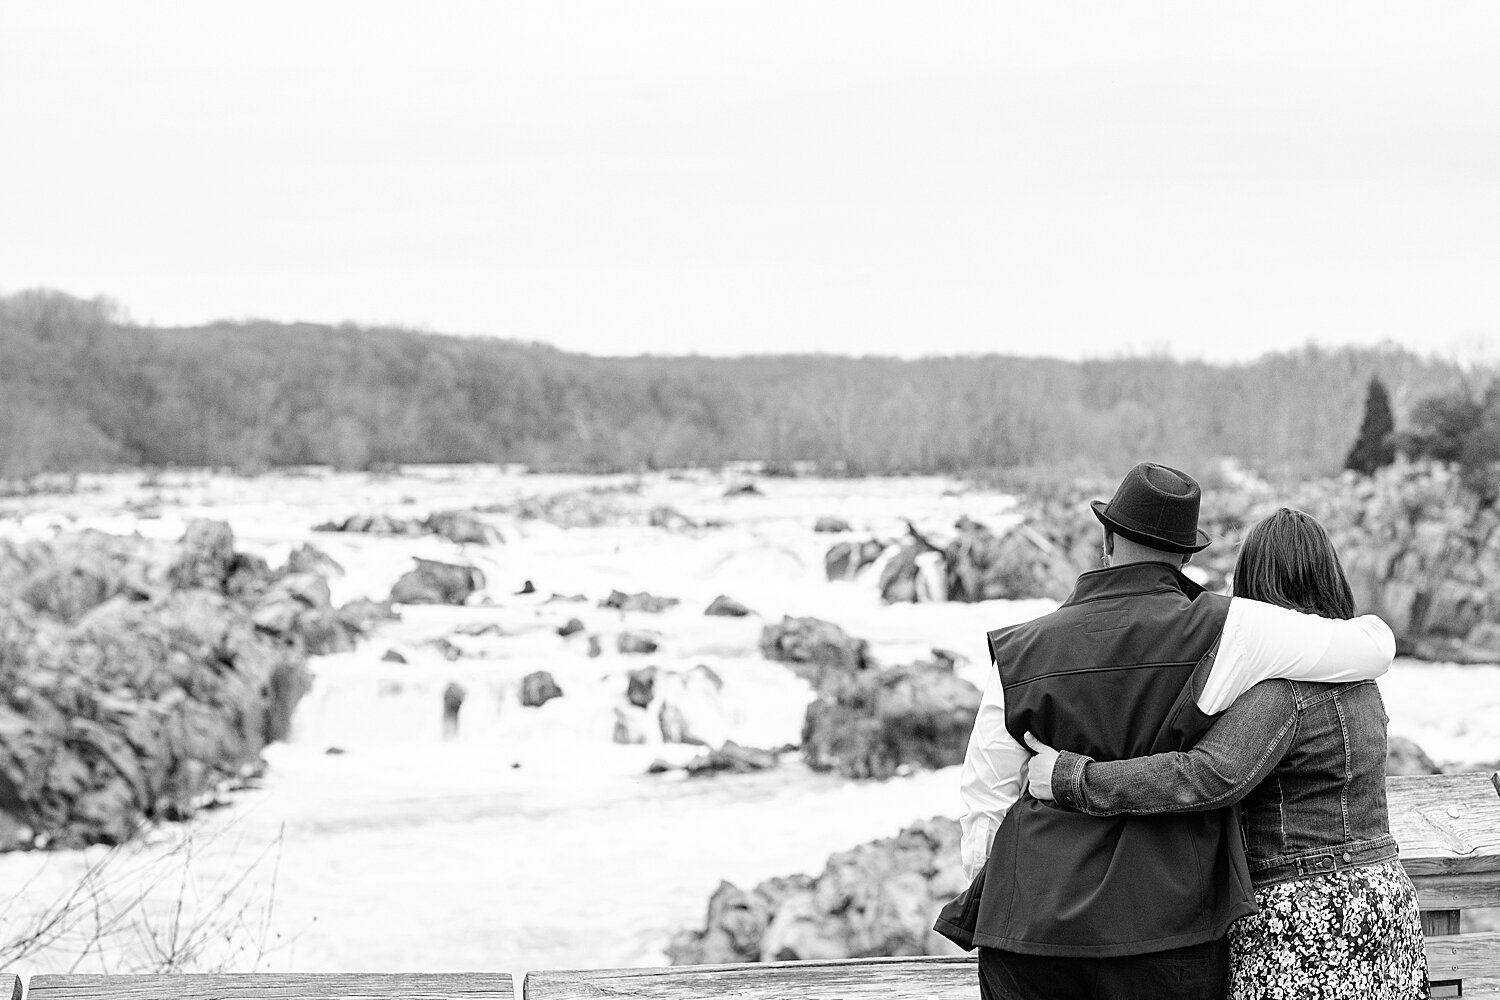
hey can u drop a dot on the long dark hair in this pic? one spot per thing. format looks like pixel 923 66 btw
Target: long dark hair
pixel 1288 559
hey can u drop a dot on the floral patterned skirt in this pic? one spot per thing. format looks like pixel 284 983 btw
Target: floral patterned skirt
pixel 1353 933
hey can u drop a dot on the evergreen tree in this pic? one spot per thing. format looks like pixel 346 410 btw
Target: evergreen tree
pixel 1375 446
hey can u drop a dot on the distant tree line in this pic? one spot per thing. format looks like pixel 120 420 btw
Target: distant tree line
pixel 1459 426
pixel 82 388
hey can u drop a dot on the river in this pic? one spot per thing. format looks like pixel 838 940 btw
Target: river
pixel 531 839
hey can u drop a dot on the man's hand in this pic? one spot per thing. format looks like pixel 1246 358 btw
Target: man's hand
pixel 1039 769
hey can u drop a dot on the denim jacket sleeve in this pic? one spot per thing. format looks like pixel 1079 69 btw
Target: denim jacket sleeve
pixel 1243 746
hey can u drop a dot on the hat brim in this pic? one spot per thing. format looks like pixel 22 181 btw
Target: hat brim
pixel 1145 538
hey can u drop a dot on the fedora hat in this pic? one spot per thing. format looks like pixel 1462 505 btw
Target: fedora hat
pixel 1156 506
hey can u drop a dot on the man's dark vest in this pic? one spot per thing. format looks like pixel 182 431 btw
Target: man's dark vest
pixel 1111 674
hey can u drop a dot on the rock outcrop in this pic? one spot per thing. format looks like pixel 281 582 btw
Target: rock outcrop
pixel 137 679
pixel 538 688
pixel 677 706
pixel 878 899
pixel 1403 756
pixel 363 614
pixel 650 603
pixel 844 560
pixel 637 643
pixel 663 516
pixel 300 604
pixel 814 648
pixel 640 686
pixel 868 721
pixel 725 606
pixel 877 723
pixel 733 759
pixel 458 526
pixel 975 564
pixel 433 582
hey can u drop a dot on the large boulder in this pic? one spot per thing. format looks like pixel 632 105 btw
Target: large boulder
pixel 461 527
pixel 205 557
pixel 1403 756
pixel 538 688
pixel 640 686
pixel 433 582
pixel 977 564
pixel 308 558
pixel 299 605
pixel 877 899
pixel 734 759
pixel 725 606
pixel 874 723
pixel 736 923
pixel 636 643
pixel 1014 565
pixel 664 516
pixel 362 614
pixel 651 603
pixel 844 560
pixel 913 573
pixel 814 649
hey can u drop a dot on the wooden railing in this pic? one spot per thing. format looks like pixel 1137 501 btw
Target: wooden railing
pixel 1448 827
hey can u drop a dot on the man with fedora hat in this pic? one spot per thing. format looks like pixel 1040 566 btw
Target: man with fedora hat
pixel 1136 661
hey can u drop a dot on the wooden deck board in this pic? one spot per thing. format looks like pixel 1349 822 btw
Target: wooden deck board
pixel 1457 892
pixel 1446 824
pixel 853 979
pixel 1461 956
pixel 1448 827
pixel 335 986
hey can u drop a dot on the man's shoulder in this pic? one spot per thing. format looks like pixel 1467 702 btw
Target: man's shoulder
pixel 1166 604
pixel 1040 623
pixel 1202 616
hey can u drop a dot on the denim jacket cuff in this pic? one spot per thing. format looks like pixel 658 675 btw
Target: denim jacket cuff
pixel 1067 779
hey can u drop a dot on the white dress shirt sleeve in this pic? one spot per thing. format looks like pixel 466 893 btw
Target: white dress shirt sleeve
pixel 1263 642
pixel 991 777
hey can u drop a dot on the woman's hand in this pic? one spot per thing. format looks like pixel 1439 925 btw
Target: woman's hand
pixel 1039 769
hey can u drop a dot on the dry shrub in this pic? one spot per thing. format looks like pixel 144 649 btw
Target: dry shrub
pixel 137 910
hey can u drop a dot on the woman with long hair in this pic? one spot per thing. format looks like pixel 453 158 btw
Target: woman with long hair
pixel 1337 913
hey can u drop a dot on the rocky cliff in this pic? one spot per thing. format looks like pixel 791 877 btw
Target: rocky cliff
pixel 877 899
pixel 138 678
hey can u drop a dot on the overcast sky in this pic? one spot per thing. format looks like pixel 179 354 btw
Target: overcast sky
pixel 1215 180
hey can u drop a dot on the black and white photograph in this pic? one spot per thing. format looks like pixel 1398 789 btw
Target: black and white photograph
pixel 848 499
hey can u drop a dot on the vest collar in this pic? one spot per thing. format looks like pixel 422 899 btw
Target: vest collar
pixel 1130 580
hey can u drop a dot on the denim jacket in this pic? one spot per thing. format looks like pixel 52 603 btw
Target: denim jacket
pixel 1307 761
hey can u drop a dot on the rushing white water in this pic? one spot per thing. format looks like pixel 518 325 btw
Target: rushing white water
pixel 531 839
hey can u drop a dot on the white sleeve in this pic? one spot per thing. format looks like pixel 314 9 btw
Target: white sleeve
pixel 1262 642
pixel 991 777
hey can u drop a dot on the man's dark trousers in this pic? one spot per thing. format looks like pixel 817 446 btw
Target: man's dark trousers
pixel 1200 970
